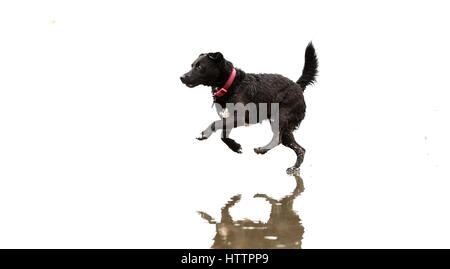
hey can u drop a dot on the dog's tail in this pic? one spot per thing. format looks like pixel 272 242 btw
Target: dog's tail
pixel 310 69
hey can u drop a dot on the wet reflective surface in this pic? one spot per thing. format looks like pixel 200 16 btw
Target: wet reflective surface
pixel 282 230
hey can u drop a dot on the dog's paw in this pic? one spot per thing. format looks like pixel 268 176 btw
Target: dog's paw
pixel 293 170
pixel 260 150
pixel 233 145
pixel 202 137
pixel 236 148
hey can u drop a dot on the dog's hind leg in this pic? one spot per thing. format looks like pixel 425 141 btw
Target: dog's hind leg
pixel 273 143
pixel 288 140
pixel 233 145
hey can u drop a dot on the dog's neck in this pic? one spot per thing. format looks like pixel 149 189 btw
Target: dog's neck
pixel 222 91
pixel 228 83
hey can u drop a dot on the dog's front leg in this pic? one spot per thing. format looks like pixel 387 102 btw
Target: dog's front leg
pixel 225 123
pixel 233 145
pixel 207 132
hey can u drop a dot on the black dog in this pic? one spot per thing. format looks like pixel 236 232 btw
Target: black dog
pixel 238 87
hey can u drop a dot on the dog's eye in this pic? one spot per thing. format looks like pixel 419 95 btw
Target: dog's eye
pixel 198 67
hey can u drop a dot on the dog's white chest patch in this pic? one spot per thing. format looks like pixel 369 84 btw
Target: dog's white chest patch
pixel 224 113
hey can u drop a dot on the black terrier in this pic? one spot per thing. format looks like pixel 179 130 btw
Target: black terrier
pixel 231 87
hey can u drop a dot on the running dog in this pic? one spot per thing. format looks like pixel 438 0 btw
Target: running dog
pixel 232 86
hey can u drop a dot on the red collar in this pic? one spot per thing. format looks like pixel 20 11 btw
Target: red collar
pixel 227 85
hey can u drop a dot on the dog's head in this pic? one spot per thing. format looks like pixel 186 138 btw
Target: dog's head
pixel 209 69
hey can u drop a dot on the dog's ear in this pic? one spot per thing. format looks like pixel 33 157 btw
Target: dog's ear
pixel 216 56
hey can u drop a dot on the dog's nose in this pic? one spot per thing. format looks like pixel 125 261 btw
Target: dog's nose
pixel 181 78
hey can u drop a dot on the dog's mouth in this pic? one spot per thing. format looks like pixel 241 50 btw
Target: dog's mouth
pixel 191 85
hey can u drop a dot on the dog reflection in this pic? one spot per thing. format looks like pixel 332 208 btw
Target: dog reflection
pixel 282 230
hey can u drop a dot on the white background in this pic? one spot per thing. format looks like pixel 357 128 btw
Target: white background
pixel 97 145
